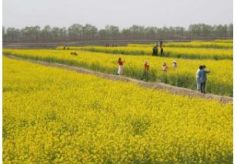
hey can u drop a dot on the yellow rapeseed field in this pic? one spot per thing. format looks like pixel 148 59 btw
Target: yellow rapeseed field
pixel 177 52
pixel 51 115
pixel 222 44
pixel 220 80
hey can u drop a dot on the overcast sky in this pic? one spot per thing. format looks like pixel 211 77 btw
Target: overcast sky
pixel 123 13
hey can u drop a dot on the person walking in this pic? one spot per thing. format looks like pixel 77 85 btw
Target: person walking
pixel 120 66
pixel 203 78
pixel 198 75
pixel 146 71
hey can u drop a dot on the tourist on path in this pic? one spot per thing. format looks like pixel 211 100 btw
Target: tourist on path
pixel 198 75
pixel 120 66
pixel 146 71
pixel 203 78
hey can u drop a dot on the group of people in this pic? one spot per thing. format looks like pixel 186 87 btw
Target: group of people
pixel 146 67
pixel 165 66
pixel 155 50
pixel 201 78
pixel 201 74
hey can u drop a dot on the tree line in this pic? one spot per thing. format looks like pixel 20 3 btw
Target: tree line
pixel 78 32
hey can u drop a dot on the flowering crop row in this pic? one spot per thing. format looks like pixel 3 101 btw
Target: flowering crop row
pixel 222 44
pixel 177 52
pixel 220 80
pixel 51 115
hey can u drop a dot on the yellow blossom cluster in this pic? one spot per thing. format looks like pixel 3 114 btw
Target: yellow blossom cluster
pixel 220 80
pixel 193 50
pixel 51 115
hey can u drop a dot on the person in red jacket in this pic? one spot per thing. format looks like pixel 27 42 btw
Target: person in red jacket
pixel 120 66
pixel 146 70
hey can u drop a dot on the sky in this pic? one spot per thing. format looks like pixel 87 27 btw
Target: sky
pixel 122 13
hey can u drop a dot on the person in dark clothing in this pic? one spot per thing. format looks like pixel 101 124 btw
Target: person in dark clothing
pixel 161 43
pixel 161 51
pixel 155 51
pixel 161 48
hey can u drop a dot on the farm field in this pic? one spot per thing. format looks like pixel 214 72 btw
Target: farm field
pixel 176 52
pixel 222 44
pixel 220 80
pixel 51 115
pixel 191 50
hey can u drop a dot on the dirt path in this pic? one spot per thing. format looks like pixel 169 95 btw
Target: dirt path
pixel 153 85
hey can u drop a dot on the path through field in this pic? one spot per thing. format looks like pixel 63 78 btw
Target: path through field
pixel 152 85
